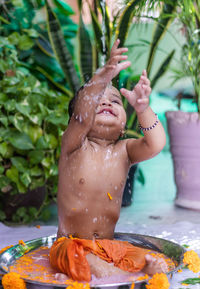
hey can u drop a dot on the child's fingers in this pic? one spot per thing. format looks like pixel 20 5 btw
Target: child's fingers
pixel 123 65
pixel 145 80
pixel 119 51
pixel 146 89
pixel 117 58
pixel 143 100
pixel 126 93
pixel 144 72
pixel 115 45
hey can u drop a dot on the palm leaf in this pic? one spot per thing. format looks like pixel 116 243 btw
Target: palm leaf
pixel 97 32
pixel 85 51
pixel 60 49
pixel 163 68
pixel 107 23
pixel 126 20
pixel 161 28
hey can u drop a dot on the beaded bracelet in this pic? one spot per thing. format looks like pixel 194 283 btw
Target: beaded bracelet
pixel 149 128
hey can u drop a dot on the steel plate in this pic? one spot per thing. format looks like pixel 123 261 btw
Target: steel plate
pixel 170 249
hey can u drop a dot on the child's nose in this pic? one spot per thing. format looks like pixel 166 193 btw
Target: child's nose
pixel 105 101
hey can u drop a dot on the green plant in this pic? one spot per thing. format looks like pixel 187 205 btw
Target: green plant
pixel 27 18
pixel 188 16
pixel 32 119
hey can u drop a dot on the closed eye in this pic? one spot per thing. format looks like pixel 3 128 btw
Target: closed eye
pixel 116 101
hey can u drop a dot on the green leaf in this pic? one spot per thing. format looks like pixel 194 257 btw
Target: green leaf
pixel 36 171
pixel 97 32
pixel 36 156
pixel 25 179
pixel 125 21
pixel 13 174
pixel 53 170
pixel 191 281
pixel 14 38
pixel 163 68
pixel 160 30
pixel 46 162
pixel 60 49
pixel 57 118
pixel 21 141
pixel 20 163
pixel 51 140
pixel 17 3
pixel 36 183
pixel 85 51
pixel 23 108
pixel 6 150
pixel 25 42
pixel 4 181
pixel 63 7
pixel 41 143
pixel 4 120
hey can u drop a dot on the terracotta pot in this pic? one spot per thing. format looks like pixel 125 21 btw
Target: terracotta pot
pixel 184 133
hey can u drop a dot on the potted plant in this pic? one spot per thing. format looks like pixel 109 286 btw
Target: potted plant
pixel 184 127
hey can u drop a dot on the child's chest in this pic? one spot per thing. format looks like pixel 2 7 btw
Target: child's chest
pixel 97 171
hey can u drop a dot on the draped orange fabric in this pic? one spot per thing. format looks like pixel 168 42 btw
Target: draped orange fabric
pixel 69 256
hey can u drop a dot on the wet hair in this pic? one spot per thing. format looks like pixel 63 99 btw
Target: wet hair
pixel 73 102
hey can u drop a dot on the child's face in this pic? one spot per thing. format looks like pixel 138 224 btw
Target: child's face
pixel 110 113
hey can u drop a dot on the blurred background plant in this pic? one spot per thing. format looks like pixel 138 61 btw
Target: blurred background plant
pixel 188 18
pixel 34 99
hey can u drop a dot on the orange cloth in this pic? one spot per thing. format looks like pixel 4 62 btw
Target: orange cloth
pixel 69 256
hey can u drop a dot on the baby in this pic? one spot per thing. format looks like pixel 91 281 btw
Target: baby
pixel 93 168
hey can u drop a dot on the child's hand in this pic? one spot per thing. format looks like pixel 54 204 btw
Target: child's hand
pixel 113 65
pixel 139 96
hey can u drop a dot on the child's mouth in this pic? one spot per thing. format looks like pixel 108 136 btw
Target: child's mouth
pixel 106 111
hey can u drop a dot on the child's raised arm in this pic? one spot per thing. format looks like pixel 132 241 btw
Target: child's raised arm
pixel 154 136
pixel 88 100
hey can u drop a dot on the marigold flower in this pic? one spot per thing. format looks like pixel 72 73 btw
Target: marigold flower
pixel 5 248
pixel 192 259
pixel 38 226
pixel 13 280
pixel 158 281
pixel 77 285
pixel 21 242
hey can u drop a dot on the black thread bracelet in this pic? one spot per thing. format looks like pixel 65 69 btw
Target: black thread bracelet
pixel 151 127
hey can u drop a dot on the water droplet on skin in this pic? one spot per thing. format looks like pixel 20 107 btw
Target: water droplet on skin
pixel 94 220
pixel 86 210
pixel 116 188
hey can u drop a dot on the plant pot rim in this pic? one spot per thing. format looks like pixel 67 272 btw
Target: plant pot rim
pixel 180 116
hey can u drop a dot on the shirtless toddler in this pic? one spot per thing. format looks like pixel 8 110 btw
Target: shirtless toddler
pixel 94 161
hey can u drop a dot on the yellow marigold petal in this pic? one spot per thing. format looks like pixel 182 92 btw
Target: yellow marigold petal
pixel 13 280
pixel 180 270
pixel 21 242
pixel 109 196
pixel 5 248
pixel 146 276
pixel 192 259
pixel 132 285
pixel 158 281
pixel 184 284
